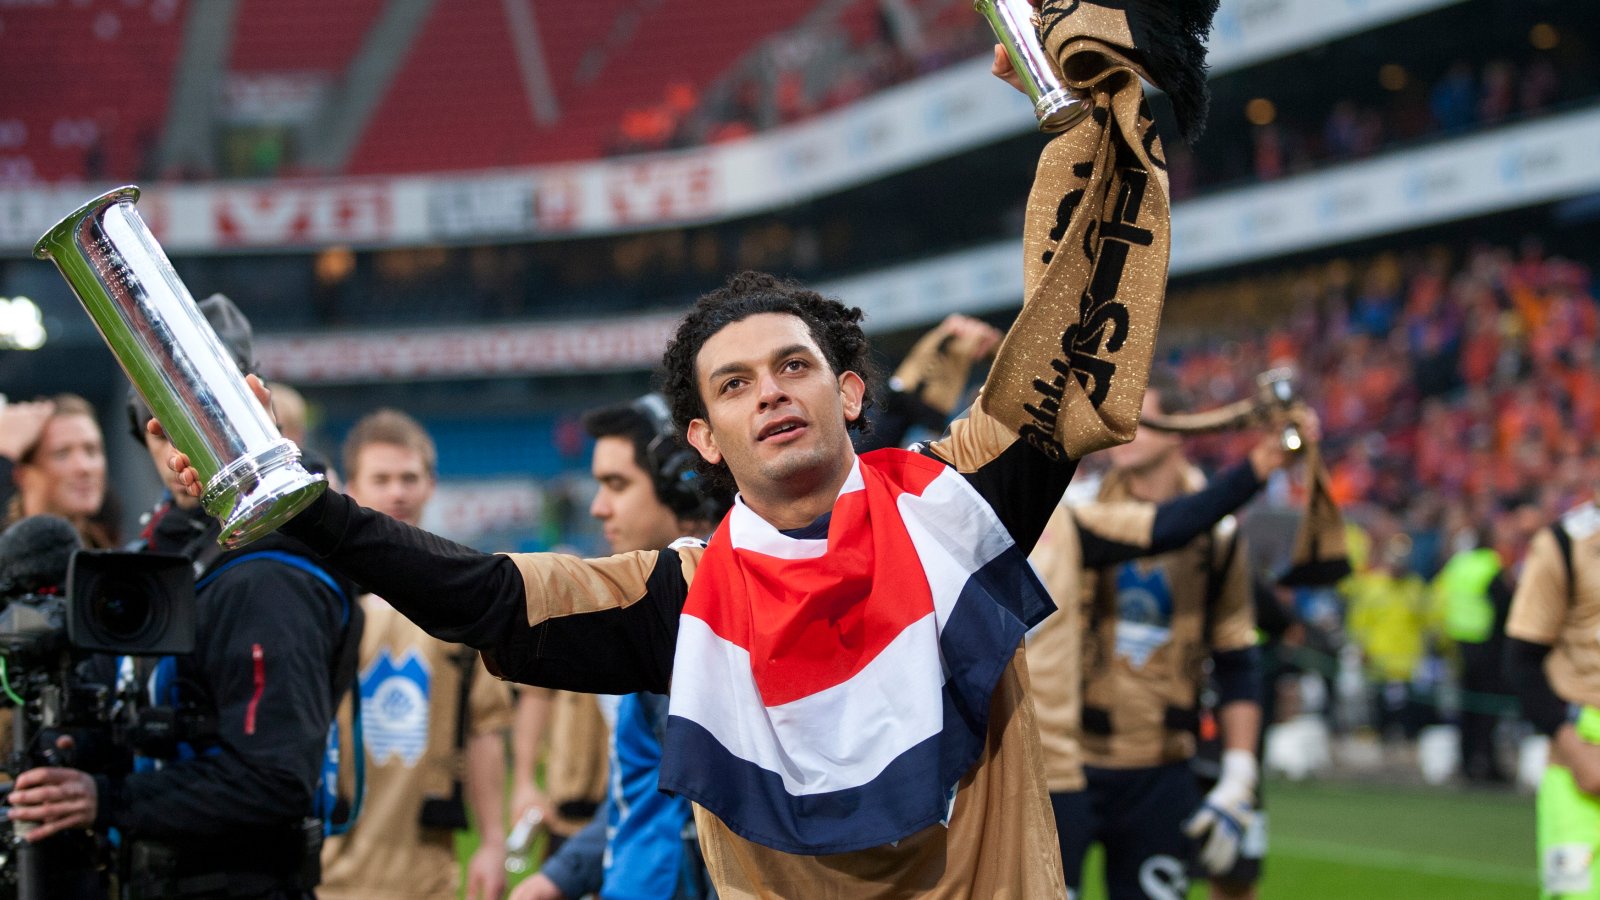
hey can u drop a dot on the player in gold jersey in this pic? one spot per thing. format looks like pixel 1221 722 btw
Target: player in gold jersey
pixel 1553 659
pixel 1149 659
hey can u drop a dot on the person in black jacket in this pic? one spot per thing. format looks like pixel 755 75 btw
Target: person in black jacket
pixel 231 811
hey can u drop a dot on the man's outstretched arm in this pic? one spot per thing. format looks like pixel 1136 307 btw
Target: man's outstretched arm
pixel 602 626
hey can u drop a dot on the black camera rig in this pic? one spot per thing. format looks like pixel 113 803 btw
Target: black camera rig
pixel 66 614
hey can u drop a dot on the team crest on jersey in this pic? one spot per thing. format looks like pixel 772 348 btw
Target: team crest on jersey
pixel 1568 869
pixel 1144 611
pixel 394 707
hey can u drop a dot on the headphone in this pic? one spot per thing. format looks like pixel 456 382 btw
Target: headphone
pixel 671 465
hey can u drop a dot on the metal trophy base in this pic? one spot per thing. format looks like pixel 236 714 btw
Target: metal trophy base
pixel 257 493
pixel 1060 109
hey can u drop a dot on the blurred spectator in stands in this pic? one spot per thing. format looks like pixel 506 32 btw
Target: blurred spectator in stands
pixel 1269 161
pixel 53 462
pixel 1540 85
pixel 1474 379
pixel 1499 93
pixel 1454 99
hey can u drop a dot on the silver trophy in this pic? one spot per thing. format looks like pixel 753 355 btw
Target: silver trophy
pixel 1015 25
pixel 1276 390
pixel 253 478
pixel 1276 393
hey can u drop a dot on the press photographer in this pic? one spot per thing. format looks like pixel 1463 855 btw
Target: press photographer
pixel 234 813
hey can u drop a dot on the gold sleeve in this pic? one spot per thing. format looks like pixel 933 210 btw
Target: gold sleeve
pixel 1234 626
pixel 1130 522
pixel 1054 653
pixel 934 373
pixel 561 585
pixel 1539 607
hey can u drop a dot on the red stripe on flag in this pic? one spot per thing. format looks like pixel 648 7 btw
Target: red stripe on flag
pixel 811 624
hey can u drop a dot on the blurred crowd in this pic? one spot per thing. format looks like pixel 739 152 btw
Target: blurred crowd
pixel 1293 138
pixel 1452 388
pixel 801 72
pixel 1461 402
pixel 871 46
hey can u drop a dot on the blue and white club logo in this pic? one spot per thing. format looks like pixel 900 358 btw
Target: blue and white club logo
pixel 394 707
pixel 1144 612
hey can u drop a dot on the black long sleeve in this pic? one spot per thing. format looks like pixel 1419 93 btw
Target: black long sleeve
pixel 1178 521
pixel 1524 670
pixel 1237 674
pixel 461 595
pixel 453 592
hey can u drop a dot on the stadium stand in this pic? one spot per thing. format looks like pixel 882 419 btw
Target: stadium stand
pixel 299 35
pixel 1454 386
pixel 86 88
pixel 597 61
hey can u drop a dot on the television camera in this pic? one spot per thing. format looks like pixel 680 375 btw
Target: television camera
pixel 66 617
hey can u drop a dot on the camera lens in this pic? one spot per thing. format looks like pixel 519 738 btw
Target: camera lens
pixel 122 611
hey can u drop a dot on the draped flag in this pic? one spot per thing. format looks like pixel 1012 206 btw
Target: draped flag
pixel 831 690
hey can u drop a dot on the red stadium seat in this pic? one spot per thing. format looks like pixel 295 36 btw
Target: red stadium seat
pixel 462 78
pixel 300 35
pixel 86 87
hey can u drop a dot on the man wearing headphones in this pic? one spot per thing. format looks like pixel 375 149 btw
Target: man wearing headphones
pixel 641 844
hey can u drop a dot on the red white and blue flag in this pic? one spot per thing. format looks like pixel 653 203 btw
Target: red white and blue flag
pixel 831 690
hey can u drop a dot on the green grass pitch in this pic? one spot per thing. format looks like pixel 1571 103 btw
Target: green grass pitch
pixel 1365 842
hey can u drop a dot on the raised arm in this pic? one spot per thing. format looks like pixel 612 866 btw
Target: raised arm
pixel 926 388
pixel 1071 373
pixel 600 626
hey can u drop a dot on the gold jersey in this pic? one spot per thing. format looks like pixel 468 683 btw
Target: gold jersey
pixel 1149 626
pixel 410 686
pixel 1557 603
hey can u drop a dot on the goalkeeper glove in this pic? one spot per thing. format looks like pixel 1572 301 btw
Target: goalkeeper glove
pixel 1219 825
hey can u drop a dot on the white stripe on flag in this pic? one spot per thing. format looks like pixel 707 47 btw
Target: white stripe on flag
pixel 955 534
pixel 841 737
pixel 748 531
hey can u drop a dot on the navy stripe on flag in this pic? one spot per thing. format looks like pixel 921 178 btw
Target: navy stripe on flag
pixel 753 803
pixel 994 610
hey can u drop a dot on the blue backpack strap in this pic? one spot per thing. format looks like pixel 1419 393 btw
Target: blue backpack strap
pixel 292 560
pixel 327 789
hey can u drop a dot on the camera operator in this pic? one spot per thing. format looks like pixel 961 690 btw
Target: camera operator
pixel 231 810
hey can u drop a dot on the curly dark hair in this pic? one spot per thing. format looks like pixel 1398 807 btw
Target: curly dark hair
pixel 835 327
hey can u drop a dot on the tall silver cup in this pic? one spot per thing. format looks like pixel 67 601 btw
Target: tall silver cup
pixel 253 478
pixel 1056 106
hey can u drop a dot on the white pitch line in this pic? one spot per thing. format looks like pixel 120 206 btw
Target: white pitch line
pixel 1333 851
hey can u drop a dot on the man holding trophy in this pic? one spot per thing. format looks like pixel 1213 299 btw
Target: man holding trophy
pixel 849 708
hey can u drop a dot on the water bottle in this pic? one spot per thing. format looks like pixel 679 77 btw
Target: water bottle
pixel 519 843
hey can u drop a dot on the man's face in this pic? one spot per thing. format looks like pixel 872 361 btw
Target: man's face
pixel 630 514
pixel 775 411
pixel 393 480
pixel 67 473
pixel 1149 448
pixel 161 450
